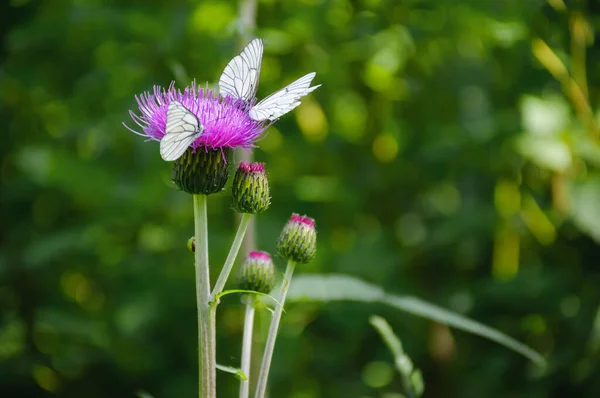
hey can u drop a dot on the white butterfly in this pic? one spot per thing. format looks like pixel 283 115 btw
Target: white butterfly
pixel 183 127
pixel 240 80
pixel 240 77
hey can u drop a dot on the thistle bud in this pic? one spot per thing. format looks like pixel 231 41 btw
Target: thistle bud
pixel 250 188
pixel 298 240
pixel 202 172
pixel 257 272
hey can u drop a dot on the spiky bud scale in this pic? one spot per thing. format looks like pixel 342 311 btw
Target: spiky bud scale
pixel 250 189
pixel 204 171
pixel 298 240
pixel 257 272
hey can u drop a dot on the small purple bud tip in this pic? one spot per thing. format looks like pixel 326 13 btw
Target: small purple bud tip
pixel 259 255
pixel 250 188
pixel 298 239
pixel 253 168
pixel 257 272
pixel 302 220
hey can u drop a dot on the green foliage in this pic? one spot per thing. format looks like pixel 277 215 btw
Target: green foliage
pixel 412 379
pixel 342 287
pixel 143 394
pixel 234 371
pixel 451 154
pixel 252 292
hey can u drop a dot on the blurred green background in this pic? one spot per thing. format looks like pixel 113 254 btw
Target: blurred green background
pixel 452 153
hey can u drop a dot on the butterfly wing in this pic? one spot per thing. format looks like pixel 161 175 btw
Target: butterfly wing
pixel 240 77
pixel 281 102
pixel 183 127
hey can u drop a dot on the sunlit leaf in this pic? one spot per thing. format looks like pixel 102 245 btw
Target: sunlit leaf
pixel 346 288
pixel 235 371
pixel 585 206
pixel 242 291
pixel 143 394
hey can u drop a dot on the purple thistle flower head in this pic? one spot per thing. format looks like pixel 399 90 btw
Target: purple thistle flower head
pixel 226 121
pixel 200 118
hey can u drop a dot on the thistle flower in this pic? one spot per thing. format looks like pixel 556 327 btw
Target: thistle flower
pixel 210 124
pixel 257 272
pixel 225 120
pixel 199 118
pixel 298 240
pixel 250 189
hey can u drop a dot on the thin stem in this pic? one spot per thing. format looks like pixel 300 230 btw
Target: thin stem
pixel 206 340
pixel 246 27
pixel 212 346
pixel 408 391
pixel 261 386
pixel 246 19
pixel 233 252
pixel 247 346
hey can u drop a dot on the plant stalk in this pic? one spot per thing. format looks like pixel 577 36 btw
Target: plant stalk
pixel 408 391
pixel 247 346
pixel 233 252
pixel 206 334
pixel 246 19
pixel 247 10
pixel 261 386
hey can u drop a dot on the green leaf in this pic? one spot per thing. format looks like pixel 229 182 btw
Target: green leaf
pixel 235 371
pixel 585 206
pixel 143 394
pixel 232 291
pixel 389 337
pixel 548 152
pixel 346 288
pixel 544 117
pixel 413 385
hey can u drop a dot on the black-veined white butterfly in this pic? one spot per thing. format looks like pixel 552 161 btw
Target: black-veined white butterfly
pixel 183 127
pixel 240 80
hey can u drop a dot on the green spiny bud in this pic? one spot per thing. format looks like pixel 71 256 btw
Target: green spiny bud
pixel 298 240
pixel 257 272
pixel 250 188
pixel 202 172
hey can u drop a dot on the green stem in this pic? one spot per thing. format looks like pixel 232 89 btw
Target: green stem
pixel 212 346
pixel 246 21
pixel 408 391
pixel 246 27
pixel 206 340
pixel 261 387
pixel 247 346
pixel 233 252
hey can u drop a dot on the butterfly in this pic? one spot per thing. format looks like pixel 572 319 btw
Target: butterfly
pixel 240 80
pixel 183 127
